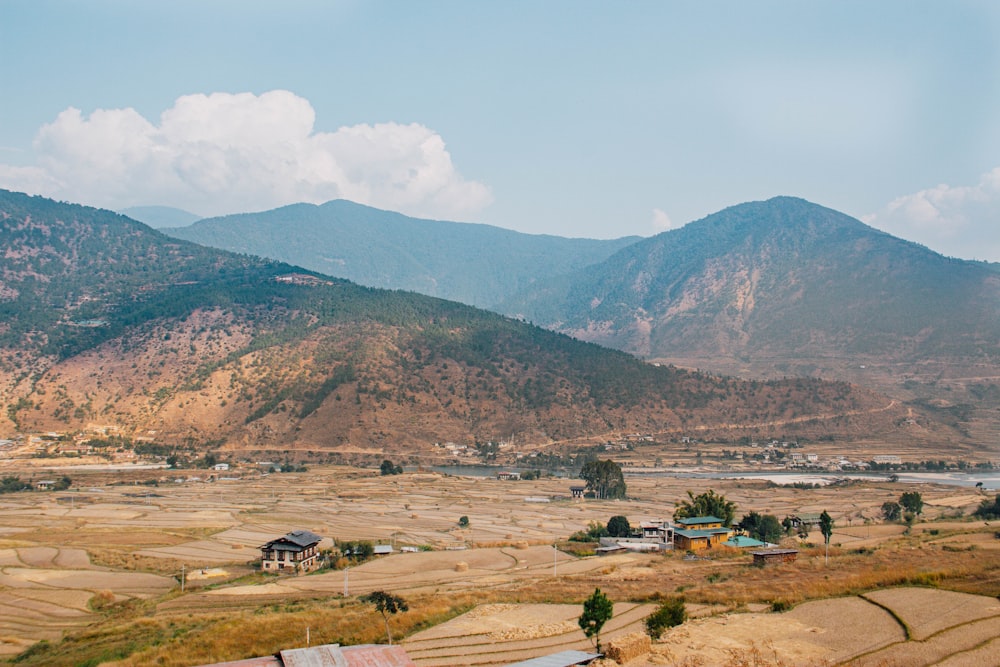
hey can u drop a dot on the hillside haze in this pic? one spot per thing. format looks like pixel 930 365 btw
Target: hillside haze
pixel 110 324
pixel 476 264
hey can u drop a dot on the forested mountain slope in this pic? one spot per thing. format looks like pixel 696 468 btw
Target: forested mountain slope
pixel 107 322
pixel 778 281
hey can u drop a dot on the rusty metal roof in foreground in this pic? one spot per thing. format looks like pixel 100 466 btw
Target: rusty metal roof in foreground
pixel 329 655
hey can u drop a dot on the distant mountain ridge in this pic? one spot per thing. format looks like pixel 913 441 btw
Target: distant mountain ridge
pixel 775 283
pixel 476 264
pixel 161 216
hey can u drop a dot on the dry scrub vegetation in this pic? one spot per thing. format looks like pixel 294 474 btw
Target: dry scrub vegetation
pixel 101 583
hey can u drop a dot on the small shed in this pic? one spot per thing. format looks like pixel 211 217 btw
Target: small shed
pixel 774 556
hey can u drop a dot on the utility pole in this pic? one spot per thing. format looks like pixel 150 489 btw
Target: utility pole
pixel 555 553
pixel 345 581
pixel 182 577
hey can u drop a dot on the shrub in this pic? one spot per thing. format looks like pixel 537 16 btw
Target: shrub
pixel 670 613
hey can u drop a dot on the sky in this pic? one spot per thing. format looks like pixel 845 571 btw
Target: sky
pixel 575 118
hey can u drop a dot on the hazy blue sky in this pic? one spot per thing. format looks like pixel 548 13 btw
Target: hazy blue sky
pixel 578 118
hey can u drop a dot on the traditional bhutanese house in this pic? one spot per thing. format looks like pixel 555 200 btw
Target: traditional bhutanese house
pixel 743 542
pixel 577 491
pixel 774 556
pixel 700 532
pixel 508 476
pixel 298 550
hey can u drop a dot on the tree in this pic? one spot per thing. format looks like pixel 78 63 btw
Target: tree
pixel 763 527
pixel 604 478
pixel 597 610
pixel 669 614
pixel 618 526
pixel 891 510
pixel 912 502
pixel 385 604
pixel 826 527
pixel 463 521
pixel 988 510
pixel 387 468
pixel 706 504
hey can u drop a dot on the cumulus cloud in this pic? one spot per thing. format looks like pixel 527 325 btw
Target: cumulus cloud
pixel 225 153
pixel 959 221
pixel 662 221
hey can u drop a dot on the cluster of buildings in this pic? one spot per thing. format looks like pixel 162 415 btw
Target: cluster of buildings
pixel 693 534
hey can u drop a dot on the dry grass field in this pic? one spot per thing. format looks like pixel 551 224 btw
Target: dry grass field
pixel 95 572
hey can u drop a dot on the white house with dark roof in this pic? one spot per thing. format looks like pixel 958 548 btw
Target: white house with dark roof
pixel 297 551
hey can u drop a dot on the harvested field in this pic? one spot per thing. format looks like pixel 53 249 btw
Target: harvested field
pixel 504 556
pixel 501 634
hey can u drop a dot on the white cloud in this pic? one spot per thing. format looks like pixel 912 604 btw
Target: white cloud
pixel 225 153
pixel 959 221
pixel 662 221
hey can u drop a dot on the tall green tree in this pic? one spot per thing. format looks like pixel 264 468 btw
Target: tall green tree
pixel 912 501
pixel 618 526
pixel 763 527
pixel 386 604
pixel 706 504
pixel 891 510
pixel 826 527
pixel 597 610
pixel 604 478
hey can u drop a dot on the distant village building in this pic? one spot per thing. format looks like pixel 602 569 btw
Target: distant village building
pixel 298 550
pixel 508 476
pixel 700 532
pixel 578 491
pixel 222 466
pixel 774 556
pixel 887 458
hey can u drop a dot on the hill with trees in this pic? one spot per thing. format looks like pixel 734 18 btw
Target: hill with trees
pixel 110 324
pixel 476 264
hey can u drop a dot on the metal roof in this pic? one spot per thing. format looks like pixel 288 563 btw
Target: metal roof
pixel 299 538
pixel 561 659
pixel 330 655
pixel 698 520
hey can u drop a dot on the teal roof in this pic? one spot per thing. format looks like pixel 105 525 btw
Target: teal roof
pixel 743 542
pixel 693 532
pixel 698 520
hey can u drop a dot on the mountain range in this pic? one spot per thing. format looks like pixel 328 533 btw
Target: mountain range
pixel 475 264
pixel 108 324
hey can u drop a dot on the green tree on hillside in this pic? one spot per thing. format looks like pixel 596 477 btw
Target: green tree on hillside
pixel 912 501
pixel 988 509
pixel 763 527
pixel 826 527
pixel 706 504
pixel 891 510
pixel 597 610
pixel 669 614
pixel 385 604
pixel 618 526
